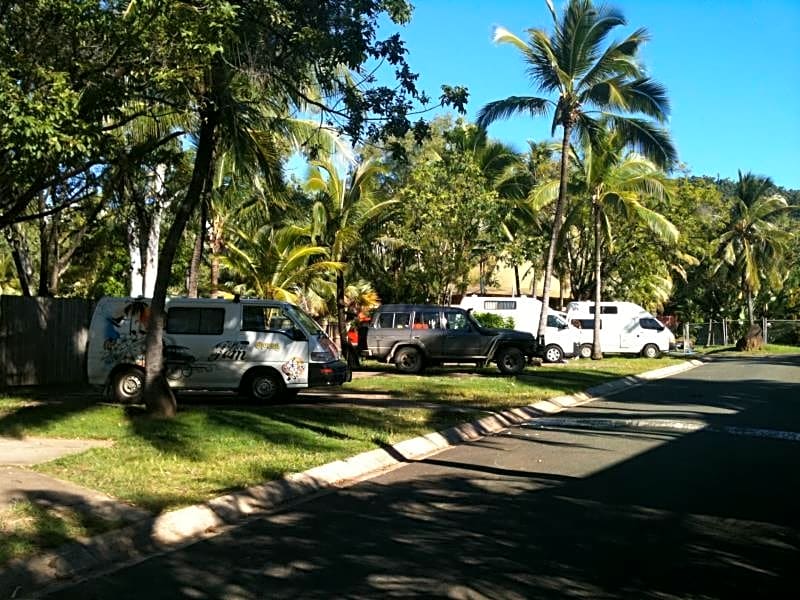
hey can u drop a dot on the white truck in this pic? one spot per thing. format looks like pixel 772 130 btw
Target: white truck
pixel 264 349
pixel 625 328
pixel 560 339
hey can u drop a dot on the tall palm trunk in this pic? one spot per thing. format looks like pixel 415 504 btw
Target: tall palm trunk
pixel 340 309
pixel 197 252
pixel 750 310
pixel 597 352
pixel 517 290
pixel 559 216
pixel 158 396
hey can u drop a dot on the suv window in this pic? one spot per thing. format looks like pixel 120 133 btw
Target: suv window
pixel 400 320
pixel 427 319
pixel 456 320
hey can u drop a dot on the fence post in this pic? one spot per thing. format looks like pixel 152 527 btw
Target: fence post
pixel 687 343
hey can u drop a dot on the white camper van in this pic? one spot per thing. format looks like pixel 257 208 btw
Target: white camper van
pixel 265 349
pixel 625 328
pixel 560 339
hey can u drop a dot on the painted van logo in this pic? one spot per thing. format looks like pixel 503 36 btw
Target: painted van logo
pixel 229 350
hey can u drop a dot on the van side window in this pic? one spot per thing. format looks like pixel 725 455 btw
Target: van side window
pixel 586 323
pixel 195 321
pixel 499 305
pixel 265 318
pixel 605 310
pixel 649 323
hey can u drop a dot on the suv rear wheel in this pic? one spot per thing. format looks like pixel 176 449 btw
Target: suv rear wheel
pixel 408 360
pixel 510 361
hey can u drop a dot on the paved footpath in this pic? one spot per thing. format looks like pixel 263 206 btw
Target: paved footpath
pixel 150 535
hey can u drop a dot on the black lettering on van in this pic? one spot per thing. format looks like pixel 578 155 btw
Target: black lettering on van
pixel 229 350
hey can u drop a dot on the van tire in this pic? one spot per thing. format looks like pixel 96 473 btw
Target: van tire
pixel 651 351
pixel 585 351
pixel 510 360
pixel 409 360
pixel 127 385
pixel 553 354
pixel 263 385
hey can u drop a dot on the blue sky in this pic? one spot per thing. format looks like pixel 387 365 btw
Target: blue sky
pixel 731 69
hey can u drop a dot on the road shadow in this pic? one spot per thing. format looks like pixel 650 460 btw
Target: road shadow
pixel 660 525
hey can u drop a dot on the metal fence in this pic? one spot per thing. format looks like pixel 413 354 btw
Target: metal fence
pixel 43 340
pixel 726 332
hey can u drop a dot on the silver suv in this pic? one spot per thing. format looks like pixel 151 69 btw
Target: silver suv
pixel 413 336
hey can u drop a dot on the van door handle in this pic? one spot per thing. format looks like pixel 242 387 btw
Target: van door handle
pixel 244 342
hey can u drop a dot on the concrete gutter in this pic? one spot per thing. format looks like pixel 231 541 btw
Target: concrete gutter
pixel 179 528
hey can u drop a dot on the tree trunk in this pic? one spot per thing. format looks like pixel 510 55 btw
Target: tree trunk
pixel 750 311
pixel 597 352
pixel 19 253
pixel 135 256
pixel 48 250
pixel 197 255
pixel 341 318
pixel 517 290
pixel 150 254
pixel 157 395
pixel 558 217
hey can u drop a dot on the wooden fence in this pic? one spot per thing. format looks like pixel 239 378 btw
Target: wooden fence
pixel 43 340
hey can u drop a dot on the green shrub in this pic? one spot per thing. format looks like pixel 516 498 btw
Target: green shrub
pixel 493 320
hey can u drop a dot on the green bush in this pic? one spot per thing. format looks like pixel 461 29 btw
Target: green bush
pixel 493 320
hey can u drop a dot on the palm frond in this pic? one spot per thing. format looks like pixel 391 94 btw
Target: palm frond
pixel 513 105
pixel 647 139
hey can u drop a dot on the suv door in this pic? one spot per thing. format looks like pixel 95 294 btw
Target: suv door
pixel 462 340
pixel 427 331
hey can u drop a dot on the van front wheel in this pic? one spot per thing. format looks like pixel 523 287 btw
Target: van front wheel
pixel 127 385
pixel 553 354
pixel 263 386
pixel 651 351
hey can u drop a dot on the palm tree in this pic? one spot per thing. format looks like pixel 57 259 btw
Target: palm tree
pixel 572 64
pixel 617 185
pixel 344 208
pixel 753 243
pixel 276 263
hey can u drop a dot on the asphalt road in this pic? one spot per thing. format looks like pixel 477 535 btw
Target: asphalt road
pixel 683 488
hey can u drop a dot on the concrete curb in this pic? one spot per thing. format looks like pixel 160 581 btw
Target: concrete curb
pixel 178 528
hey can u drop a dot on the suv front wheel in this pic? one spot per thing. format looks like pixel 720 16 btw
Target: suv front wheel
pixel 408 360
pixel 510 361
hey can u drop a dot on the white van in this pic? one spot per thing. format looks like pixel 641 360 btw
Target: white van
pixel 625 328
pixel 560 338
pixel 265 349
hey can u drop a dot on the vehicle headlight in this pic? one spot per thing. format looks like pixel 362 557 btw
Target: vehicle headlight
pixel 323 350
